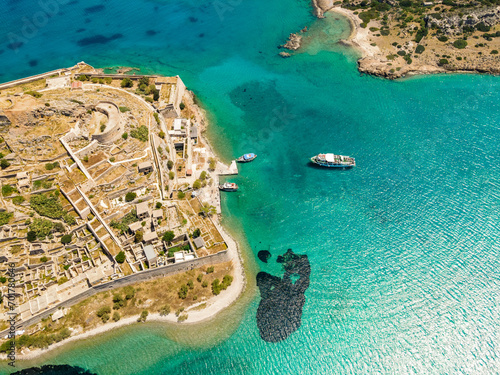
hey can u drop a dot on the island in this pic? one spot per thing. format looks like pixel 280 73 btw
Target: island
pixel 109 208
pixel 397 38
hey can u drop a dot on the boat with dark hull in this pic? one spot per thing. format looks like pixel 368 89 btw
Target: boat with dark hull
pixel 228 186
pixel 246 158
pixel 333 161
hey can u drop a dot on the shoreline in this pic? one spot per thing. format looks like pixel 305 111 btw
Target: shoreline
pixel 213 306
pixel 374 61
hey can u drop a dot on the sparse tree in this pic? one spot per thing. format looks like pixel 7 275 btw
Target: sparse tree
pixel 207 210
pixel 120 257
pixel 127 82
pixel 168 236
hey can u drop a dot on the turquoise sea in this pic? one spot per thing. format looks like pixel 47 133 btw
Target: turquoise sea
pixel 404 249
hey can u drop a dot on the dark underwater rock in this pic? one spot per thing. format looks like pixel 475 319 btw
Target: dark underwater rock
pixel 280 310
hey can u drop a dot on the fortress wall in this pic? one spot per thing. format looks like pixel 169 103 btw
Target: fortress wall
pixel 115 126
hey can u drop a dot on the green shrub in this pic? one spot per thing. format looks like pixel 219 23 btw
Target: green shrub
pixel 31 236
pixel 126 82
pixel 125 136
pixel 141 133
pixel 443 62
pixel 116 316
pixel 216 287
pixel 5 217
pixel 143 316
pixel 157 118
pixel 103 310
pixel 199 278
pixel 481 26
pixel 420 49
pixel 120 257
pixel 35 94
pixel 183 291
pixel 170 164
pixel 44 259
pixel 48 205
pixel 442 38
pixel 204 284
pixel 124 109
pixel 41 228
pixel 197 185
pixel 4 164
pixel 460 43
pixel 182 106
pixel 66 239
pixel 129 292
pixel 165 310
pixel 130 196
pixel 210 269
pixel 494 52
pixel 196 233
pixel 8 190
pixel 139 236
pixel 118 301
pixel 190 284
pixel 102 127
pixel 18 200
pixel 181 195
pixel 168 236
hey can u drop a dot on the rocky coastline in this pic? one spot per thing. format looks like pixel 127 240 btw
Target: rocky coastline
pixel 390 57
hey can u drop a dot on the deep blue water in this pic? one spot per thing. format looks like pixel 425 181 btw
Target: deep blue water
pixel 403 248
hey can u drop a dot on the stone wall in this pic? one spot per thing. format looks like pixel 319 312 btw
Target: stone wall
pixel 150 274
pixel 87 150
pixel 115 126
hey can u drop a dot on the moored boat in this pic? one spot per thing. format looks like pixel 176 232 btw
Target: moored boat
pixel 246 158
pixel 228 186
pixel 333 161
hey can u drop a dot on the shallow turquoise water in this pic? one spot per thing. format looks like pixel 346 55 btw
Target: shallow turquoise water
pixel 403 248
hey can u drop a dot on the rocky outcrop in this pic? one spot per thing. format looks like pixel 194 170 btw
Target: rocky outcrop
pixel 321 6
pixel 456 24
pixel 293 42
pixel 4 120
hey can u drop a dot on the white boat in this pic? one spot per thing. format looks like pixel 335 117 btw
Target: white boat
pixel 228 186
pixel 333 161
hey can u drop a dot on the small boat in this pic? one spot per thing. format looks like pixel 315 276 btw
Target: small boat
pixel 246 158
pixel 333 161
pixel 228 186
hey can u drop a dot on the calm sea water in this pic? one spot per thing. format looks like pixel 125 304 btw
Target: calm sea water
pixel 403 248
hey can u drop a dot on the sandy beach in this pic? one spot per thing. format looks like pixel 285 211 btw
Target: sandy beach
pixel 359 37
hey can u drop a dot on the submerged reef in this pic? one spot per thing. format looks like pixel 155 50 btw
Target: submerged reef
pixel 54 370
pixel 280 310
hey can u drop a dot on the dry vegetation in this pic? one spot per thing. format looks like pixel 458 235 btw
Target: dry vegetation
pixel 156 296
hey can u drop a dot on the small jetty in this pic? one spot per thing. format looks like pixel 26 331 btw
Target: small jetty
pixel 224 170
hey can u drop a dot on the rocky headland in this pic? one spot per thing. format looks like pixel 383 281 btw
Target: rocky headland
pixel 400 38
